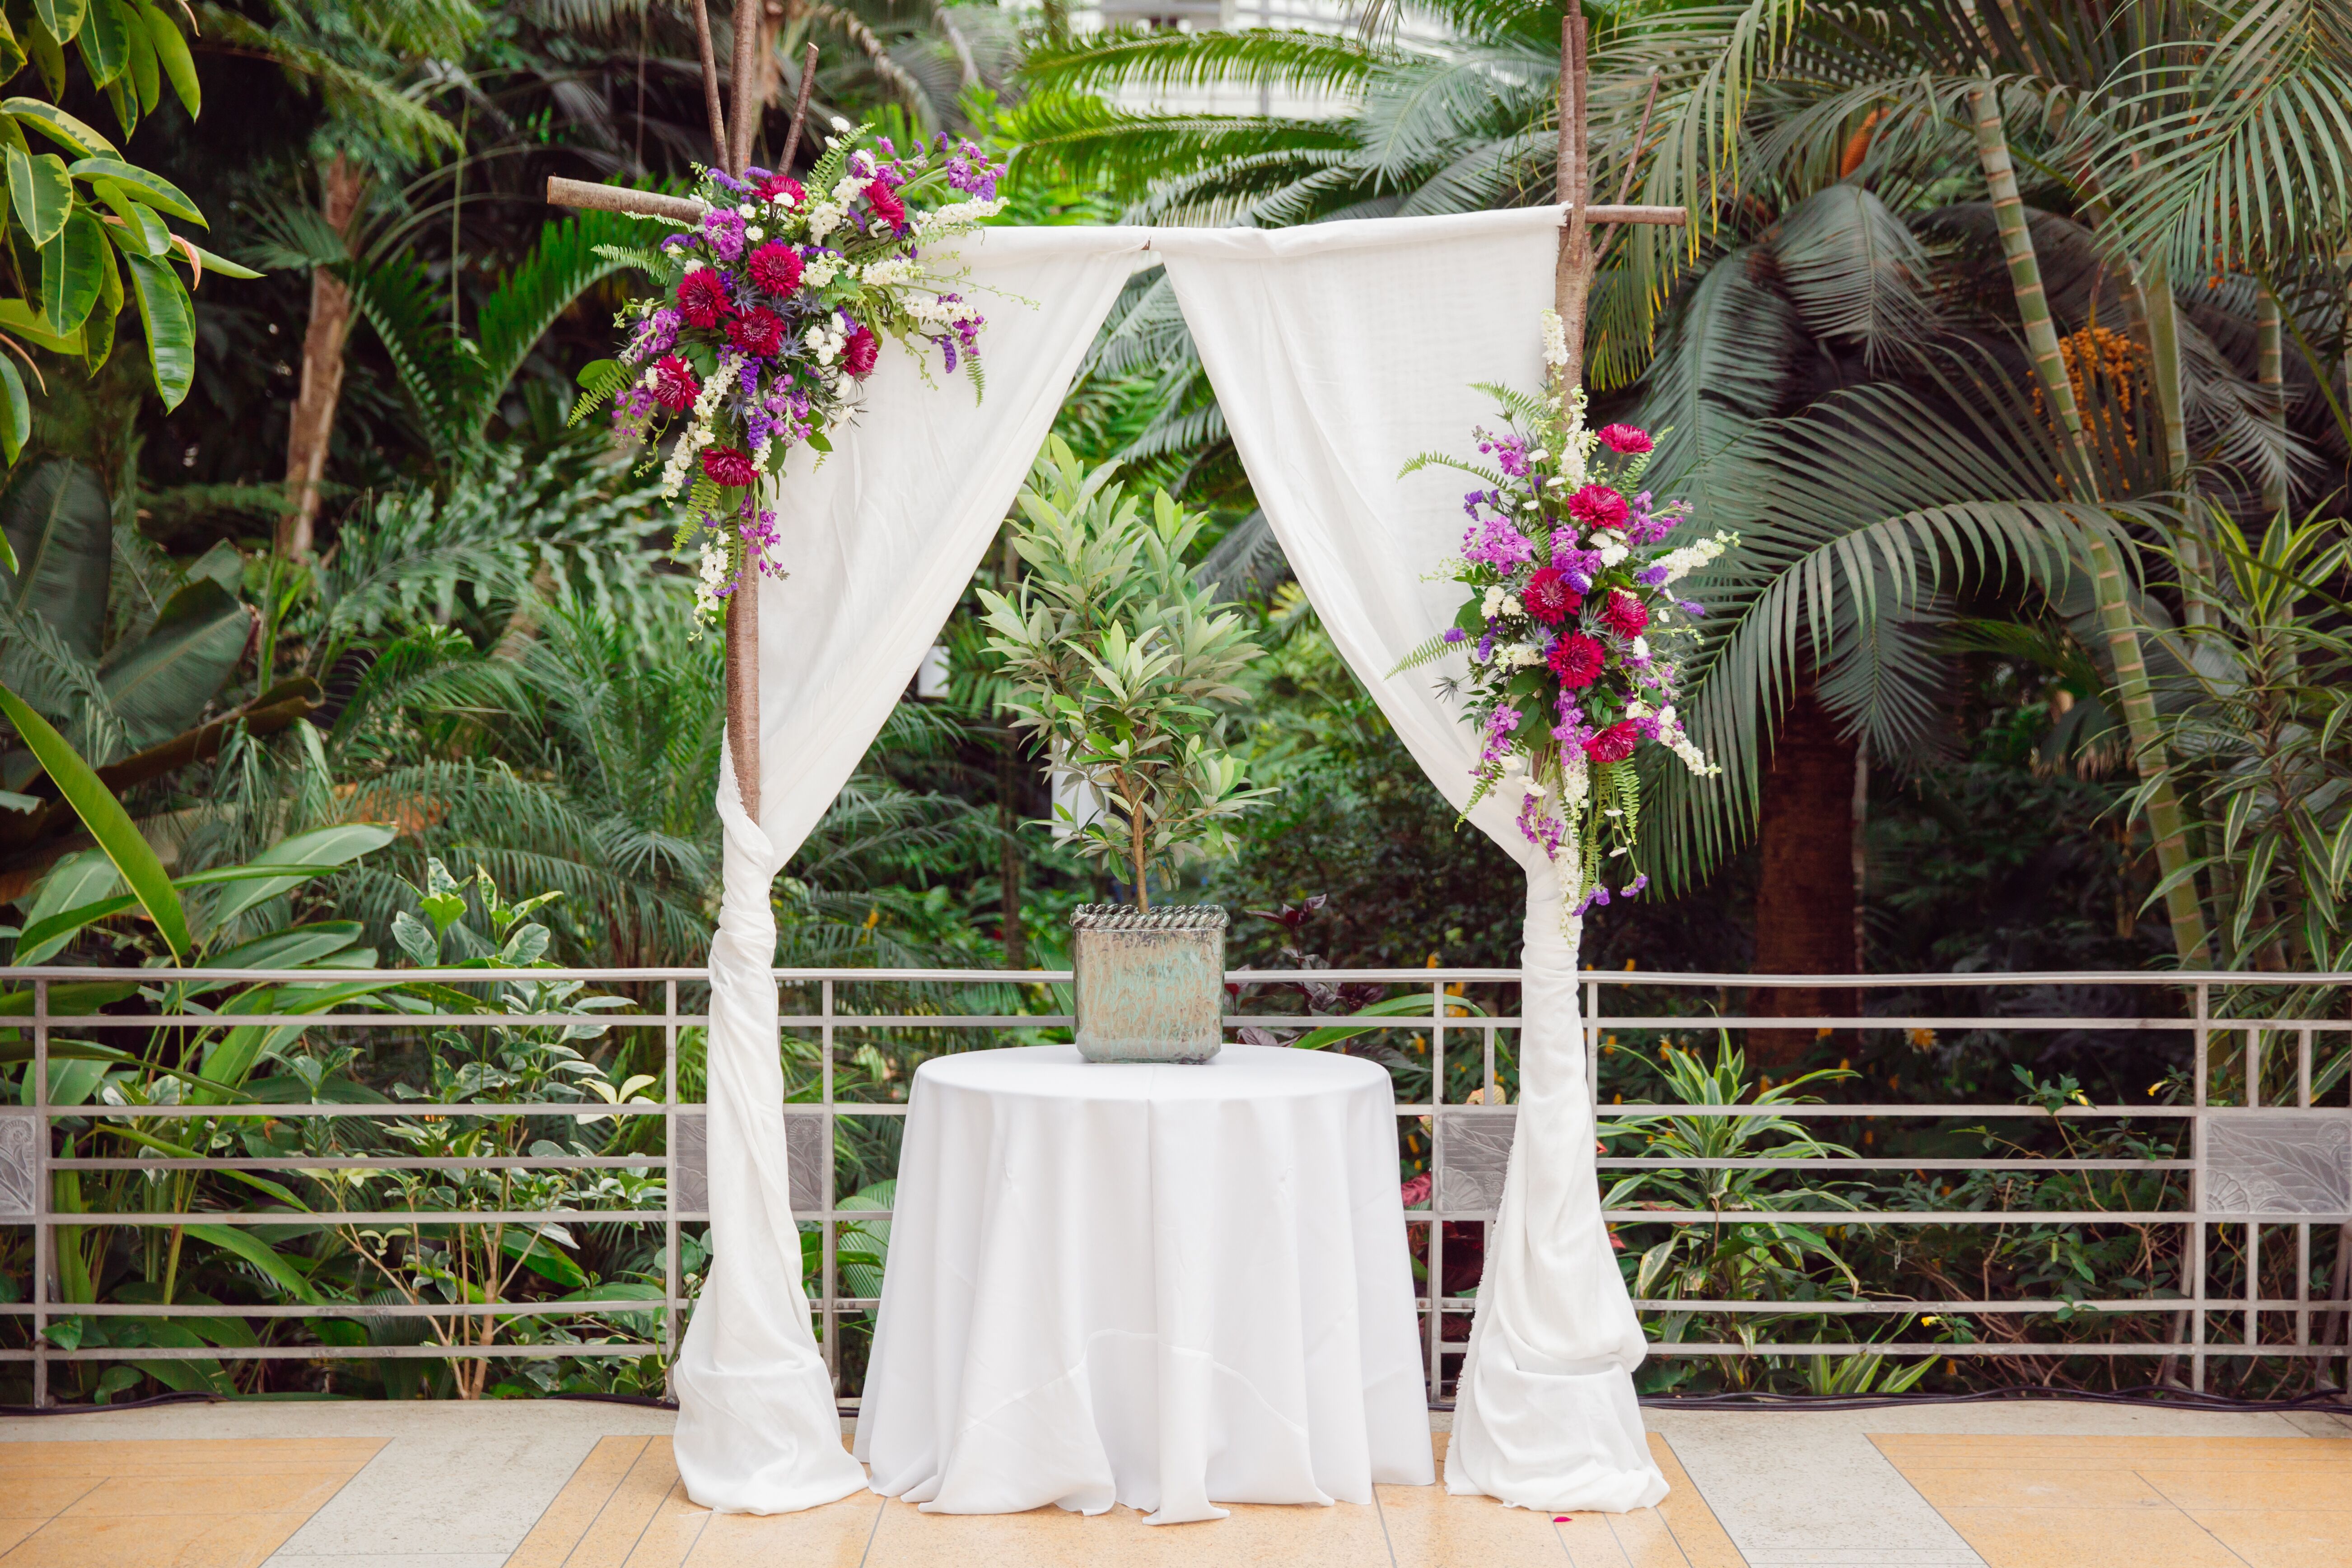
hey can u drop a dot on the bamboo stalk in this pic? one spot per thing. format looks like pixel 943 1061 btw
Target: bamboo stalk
pixel 2181 903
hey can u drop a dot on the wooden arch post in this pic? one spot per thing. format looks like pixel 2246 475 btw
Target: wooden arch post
pixel 1579 258
pixel 733 154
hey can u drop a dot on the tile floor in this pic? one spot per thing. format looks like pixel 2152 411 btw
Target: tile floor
pixel 577 1485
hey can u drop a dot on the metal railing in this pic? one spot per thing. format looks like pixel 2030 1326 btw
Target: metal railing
pixel 2249 1166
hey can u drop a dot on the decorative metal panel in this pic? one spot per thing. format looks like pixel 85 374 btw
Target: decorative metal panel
pixel 2278 1164
pixel 1477 1152
pixel 19 1141
pixel 803 1153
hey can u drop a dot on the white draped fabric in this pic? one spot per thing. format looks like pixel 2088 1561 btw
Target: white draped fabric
pixel 880 540
pixel 1338 352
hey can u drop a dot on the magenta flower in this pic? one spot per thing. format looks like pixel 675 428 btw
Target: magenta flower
pixel 1613 744
pixel 1598 506
pixel 1625 615
pixel 1550 597
pixel 884 203
pixel 675 387
pixel 758 331
pixel 775 266
pixel 1625 438
pixel 1577 660
pixel 723 231
pixel 859 353
pixel 702 298
pixel 730 466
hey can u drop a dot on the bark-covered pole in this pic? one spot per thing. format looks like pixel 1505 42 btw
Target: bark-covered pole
pixel 1579 258
pixel 744 604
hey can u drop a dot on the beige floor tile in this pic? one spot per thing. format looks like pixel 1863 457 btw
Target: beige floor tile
pixel 302 1492
pixel 40 1495
pixel 621 1523
pixel 196 1541
pixel 166 1456
pixel 13 1531
pixel 575 1508
pixel 671 1535
pixel 2275 1489
pixel 1987 1486
pixel 2089 1453
pixel 1704 1541
pixel 834 1536
pixel 1255 1536
pixel 1429 1528
pixel 1637 1540
pixel 2088 1538
pixel 2299 1539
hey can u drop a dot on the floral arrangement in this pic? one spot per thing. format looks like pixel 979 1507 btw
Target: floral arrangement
pixel 772 312
pixel 1569 612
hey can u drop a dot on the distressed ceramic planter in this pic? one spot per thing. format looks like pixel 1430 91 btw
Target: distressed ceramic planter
pixel 1150 983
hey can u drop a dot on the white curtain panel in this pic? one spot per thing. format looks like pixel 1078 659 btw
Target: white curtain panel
pixel 1339 352
pixel 880 540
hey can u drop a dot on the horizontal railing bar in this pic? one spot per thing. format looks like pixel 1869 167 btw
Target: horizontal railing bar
pixel 1654 1109
pixel 1961 1309
pixel 2096 1348
pixel 335 1352
pixel 340 1216
pixel 433 1108
pixel 1961 1216
pixel 386 1163
pixel 1667 1163
pixel 2180 978
pixel 341 1310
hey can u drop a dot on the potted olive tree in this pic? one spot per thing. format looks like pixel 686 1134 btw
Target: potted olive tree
pixel 1121 667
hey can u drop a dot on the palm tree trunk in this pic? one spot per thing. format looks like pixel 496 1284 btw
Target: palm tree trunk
pixel 1804 897
pixel 2182 905
pixel 313 421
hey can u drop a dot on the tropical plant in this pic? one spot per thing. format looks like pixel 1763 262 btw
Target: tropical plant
pixel 1118 666
pixel 90 219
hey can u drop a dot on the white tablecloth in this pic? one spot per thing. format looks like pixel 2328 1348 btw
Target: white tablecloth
pixel 1158 1286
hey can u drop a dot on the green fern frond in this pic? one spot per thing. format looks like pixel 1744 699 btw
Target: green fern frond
pixel 1427 652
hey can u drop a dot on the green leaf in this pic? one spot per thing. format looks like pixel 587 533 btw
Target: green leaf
pixel 70 264
pixel 71 998
pixel 63 18
pixel 283 1270
pixel 12 52
pixel 161 684
pixel 56 515
pixel 321 849
pixel 49 56
pixel 172 51
pixel 146 75
pixel 98 331
pixel 153 189
pixel 295 947
pixel 107 821
pixel 16 429
pixel 105 41
pixel 19 319
pixel 219 264
pixel 163 311
pixel 541 1258
pixel 40 192
pixel 81 140
pixel 80 878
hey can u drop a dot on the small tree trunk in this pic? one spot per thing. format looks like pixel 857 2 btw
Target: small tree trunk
pixel 2270 369
pixel 1804 901
pixel 1008 817
pixel 2108 582
pixel 1572 274
pixel 313 420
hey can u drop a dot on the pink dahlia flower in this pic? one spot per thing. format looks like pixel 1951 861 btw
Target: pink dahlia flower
pixel 1613 744
pixel 1598 506
pixel 675 387
pixel 1626 616
pixel 1625 438
pixel 1577 660
pixel 884 203
pixel 758 331
pixel 730 466
pixel 775 186
pixel 702 298
pixel 858 354
pixel 1550 597
pixel 775 266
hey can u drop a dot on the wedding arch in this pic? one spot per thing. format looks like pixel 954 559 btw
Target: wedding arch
pixel 1335 352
